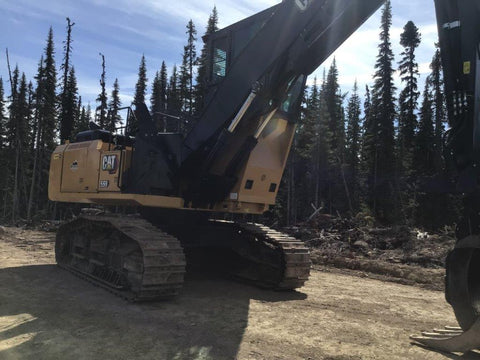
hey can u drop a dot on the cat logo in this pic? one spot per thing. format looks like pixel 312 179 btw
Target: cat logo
pixel 303 4
pixel 109 163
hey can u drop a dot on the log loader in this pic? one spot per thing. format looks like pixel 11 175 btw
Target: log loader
pixel 233 158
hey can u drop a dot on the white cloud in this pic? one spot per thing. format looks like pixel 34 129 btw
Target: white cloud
pixel 124 30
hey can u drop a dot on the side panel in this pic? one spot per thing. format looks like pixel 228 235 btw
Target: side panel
pixel 261 178
pixel 81 167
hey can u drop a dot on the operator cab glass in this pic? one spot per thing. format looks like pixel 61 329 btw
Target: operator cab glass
pixel 294 92
pixel 219 59
pixel 227 44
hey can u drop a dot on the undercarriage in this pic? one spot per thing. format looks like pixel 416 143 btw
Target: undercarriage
pixel 136 260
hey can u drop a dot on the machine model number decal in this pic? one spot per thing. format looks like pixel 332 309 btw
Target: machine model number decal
pixel 109 163
pixel 303 4
pixel 104 184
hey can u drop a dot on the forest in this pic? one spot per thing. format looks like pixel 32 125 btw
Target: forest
pixel 364 154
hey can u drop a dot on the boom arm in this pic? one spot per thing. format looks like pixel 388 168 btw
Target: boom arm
pixel 289 40
pixel 258 65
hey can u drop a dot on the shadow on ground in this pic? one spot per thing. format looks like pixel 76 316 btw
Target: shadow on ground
pixel 47 313
pixel 471 355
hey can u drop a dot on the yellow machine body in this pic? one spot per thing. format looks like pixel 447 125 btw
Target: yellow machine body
pixel 94 172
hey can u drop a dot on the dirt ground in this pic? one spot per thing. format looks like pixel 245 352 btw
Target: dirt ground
pixel 47 313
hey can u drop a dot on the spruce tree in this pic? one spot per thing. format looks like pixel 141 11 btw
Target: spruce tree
pixel 325 154
pixel 78 118
pixel 381 128
pixel 19 130
pixel 439 112
pixel 186 71
pixel 31 120
pixel 22 114
pixel 102 108
pixel 139 97
pixel 408 67
pixel 3 151
pixel 163 86
pixel 334 107
pixel 174 103
pixel 158 99
pixel 88 116
pixel 115 104
pixel 66 104
pixel 202 70
pixel 70 102
pixel 49 102
pixel 141 86
pixel 305 157
pixel 2 115
pixel 307 130
pixel 352 156
pixel 334 100
pixel 83 120
pixel 435 208
pixel 425 139
pixel 37 127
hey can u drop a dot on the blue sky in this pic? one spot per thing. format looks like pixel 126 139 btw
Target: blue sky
pixel 123 30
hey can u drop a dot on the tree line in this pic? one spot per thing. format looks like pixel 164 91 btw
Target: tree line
pixel 38 115
pixel 372 160
pixel 350 157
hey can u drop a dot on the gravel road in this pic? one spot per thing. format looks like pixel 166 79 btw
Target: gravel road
pixel 47 313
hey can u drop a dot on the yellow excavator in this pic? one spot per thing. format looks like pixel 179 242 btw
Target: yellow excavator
pixel 233 158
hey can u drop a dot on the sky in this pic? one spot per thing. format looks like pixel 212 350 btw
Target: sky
pixel 124 30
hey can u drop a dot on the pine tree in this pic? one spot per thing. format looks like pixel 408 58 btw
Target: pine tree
pixel 141 86
pixel 202 70
pixel 115 104
pixel 410 39
pixel 381 128
pixel 102 109
pixel 66 104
